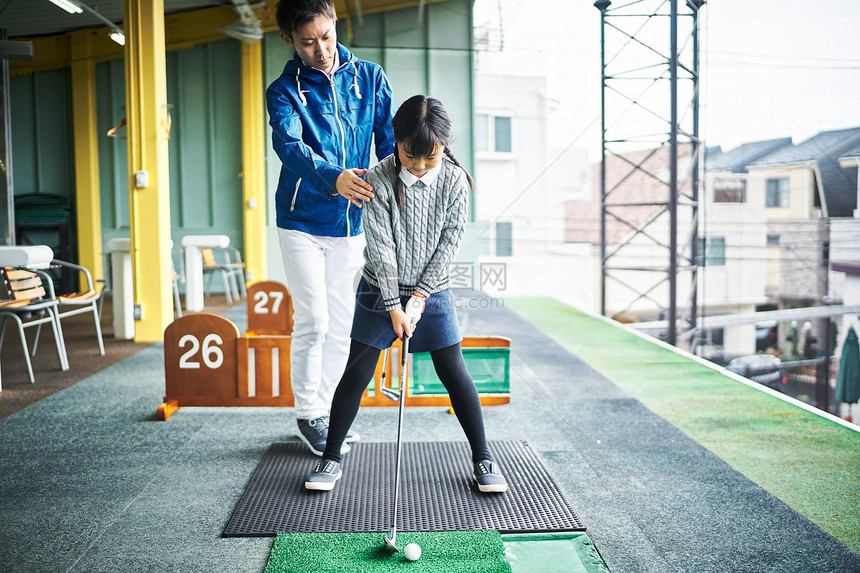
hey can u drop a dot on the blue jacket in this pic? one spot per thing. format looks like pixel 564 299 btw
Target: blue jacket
pixel 321 127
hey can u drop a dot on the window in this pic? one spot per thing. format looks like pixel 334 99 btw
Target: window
pixel 732 190
pixel 493 133
pixel 714 336
pixel 503 134
pixel 504 239
pixel 773 240
pixel 712 250
pixel 777 192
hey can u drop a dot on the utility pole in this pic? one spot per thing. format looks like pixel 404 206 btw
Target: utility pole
pixel 649 71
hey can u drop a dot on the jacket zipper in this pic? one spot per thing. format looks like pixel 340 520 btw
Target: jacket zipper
pixel 342 142
pixel 295 195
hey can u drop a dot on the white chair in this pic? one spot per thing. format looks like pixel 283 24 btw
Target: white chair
pixel 177 276
pixel 228 263
pixel 81 302
pixel 28 303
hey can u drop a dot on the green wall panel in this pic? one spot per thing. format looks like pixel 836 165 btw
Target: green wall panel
pixel 433 58
pixel 402 30
pixel 206 141
pixel 226 138
pixel 42 136
pixel 204 90
pixel 191 96
pixel 450 26
pixel 205 154
pixel 276 53
pixel 113 151
pixel 23 102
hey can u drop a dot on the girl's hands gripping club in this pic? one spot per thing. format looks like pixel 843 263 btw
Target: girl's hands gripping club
pixel 415 307
pixel 401 323
pixel 404 321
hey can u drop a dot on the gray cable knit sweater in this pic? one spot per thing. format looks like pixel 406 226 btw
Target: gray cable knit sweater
pixel 410 250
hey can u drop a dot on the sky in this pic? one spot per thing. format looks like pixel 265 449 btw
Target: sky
pixel 770 68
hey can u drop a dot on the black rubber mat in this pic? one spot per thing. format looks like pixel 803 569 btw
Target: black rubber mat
pixel 437 492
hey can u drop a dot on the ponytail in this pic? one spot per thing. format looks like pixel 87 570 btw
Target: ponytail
pixel 453 159
pixel 399 195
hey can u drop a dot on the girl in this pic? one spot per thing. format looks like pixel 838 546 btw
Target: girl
pixel 414 226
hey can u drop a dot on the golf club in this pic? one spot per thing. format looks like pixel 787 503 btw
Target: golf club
pixel 387 391
pixel 391 541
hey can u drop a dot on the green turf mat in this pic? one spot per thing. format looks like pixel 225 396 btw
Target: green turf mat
pixel 449 551
pixel 807 461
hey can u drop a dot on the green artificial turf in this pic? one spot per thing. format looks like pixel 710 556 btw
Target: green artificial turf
pixel 449 551
pixel 810 463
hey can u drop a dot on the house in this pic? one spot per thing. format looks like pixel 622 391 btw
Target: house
pixel 851 159
pixel 810 192
pixel 757 249
pixel 521 186
pixel 806 180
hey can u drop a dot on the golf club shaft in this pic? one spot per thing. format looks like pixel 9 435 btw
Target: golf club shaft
pixel 384 366
pixel 403 373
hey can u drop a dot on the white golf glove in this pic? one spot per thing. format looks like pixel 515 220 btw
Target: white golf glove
pixel 415 308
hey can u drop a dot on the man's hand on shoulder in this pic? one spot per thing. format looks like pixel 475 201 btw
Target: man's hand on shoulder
pixel 351 185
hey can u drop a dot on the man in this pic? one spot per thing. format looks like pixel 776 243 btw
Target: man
pixel 325 109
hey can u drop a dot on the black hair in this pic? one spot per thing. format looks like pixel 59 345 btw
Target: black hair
pixel 294 14
pixel 419 125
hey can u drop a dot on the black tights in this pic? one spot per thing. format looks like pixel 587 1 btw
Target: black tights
pixel 451 369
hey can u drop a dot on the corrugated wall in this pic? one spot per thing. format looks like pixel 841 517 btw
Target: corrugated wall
pixel 432 57
pixel 42 136
pixel 205 141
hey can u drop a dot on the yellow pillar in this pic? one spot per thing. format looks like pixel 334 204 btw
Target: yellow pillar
pixel 87 192
pixel 253 160
pixel 149 184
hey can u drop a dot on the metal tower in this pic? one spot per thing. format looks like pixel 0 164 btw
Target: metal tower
pixel 650 161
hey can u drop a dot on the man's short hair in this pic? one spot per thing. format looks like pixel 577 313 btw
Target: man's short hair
pixel 294 14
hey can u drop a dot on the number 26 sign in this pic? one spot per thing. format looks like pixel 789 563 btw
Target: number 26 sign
pixel 200 359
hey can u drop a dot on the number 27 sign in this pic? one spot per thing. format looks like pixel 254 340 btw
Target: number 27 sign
pixel 270 309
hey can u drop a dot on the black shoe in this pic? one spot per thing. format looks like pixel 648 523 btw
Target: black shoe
pixel 324 476
pixel 314 433
pixel 488 477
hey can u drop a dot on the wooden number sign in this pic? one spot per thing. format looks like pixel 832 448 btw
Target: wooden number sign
pixel 207 363
pixel 200 360
pixel 270 309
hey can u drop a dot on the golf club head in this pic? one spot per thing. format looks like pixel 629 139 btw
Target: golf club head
pixel 390 542
pixel 390 393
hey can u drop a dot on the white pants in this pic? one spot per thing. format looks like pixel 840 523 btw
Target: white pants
pixel 322 274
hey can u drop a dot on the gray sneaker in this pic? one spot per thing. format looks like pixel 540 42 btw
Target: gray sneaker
pixel 488 477
pixel 324 476
pixel 314 433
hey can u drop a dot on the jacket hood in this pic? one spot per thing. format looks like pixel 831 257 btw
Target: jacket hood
pixel 293 66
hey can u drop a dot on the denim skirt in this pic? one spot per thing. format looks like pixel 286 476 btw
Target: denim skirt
pixel 371 325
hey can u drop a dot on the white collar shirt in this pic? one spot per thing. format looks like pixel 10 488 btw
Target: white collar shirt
pixel 428 179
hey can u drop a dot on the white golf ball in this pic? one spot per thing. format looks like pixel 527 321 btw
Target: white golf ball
pixel 412 551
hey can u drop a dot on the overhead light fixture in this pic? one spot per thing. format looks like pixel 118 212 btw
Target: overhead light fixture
pixel 68 5
pixel 242 31
pixel 117 36
pixel 77 7
pixel 247 27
